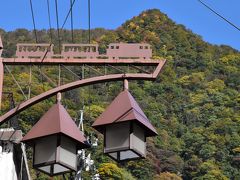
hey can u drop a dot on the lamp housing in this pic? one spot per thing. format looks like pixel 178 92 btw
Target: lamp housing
pixel 125 128
pixel 55 139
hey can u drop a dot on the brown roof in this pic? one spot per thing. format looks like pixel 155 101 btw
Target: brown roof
pixel 56 120
pixel 124 108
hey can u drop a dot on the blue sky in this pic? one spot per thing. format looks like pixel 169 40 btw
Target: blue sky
pixel 111 14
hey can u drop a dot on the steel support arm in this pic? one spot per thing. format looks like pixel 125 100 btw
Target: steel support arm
pixel 77 84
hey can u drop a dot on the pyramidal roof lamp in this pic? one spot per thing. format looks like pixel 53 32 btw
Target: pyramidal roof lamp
pixel 55 139
pixel 125 128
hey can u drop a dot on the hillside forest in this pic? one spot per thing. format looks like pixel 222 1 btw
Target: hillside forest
pixel 194 103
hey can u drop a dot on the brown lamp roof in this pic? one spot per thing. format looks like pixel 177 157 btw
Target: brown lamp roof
pixel 124 108
pixel 56 120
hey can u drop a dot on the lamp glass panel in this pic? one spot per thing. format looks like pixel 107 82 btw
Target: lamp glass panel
pixel 128 155
pixel 59 169
pixel 113 155
pixel 138 140
pixel 67 152
pixel 46 169
pixel 117 137
pixel 43 154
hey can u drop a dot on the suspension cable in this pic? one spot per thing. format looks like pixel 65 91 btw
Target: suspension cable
pixel 66 18
pixel 71 71
pixel 89 92
pixel 41 75
pixel 71 21
pixel 45 76
pixel 89 21
pixel 58 31
pixel 14 79
pixel 49 21
pixel 33 19
pixel 89 41
pixel 50 32
pixel 83 76
pixel 95 70
pixel 51 42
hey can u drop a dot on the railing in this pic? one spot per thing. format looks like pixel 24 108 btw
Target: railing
pixel 34 50
pixel 80 51
pixel 86 51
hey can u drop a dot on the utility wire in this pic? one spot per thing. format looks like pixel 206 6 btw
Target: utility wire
pixel 33 19
pixel 219 15
pixel 58 31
